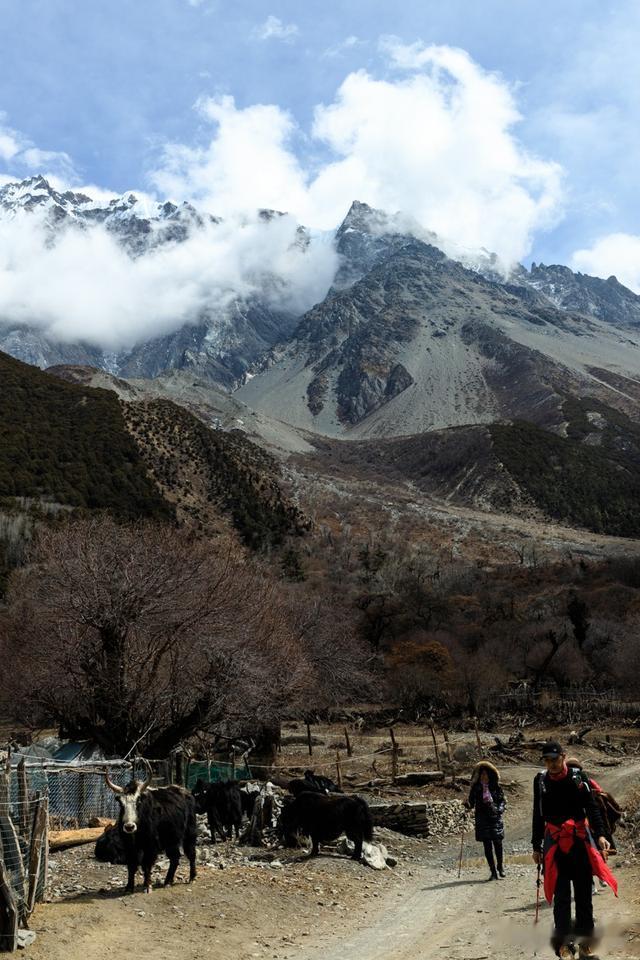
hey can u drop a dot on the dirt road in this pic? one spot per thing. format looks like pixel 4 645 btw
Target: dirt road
pixel 435 914
pixel 333 909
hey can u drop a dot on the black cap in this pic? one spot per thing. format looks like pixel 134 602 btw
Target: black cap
pixel 551 749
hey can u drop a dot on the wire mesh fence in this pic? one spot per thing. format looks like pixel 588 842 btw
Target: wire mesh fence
pixel 78 793
pixel 23 855
pixel 39 795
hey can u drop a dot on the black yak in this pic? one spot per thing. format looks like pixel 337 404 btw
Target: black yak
pixel 248 795
pixel 313 783
pixel 111 847
pixel 324 817
pixel 152 821
pixel 222 803
pixel 320 783
pixel 298 786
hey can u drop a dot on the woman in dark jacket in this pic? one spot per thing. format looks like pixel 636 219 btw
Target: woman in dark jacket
pixel 487 801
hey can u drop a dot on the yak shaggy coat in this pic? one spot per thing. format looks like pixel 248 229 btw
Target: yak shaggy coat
pixel 324 817
pixel 166 822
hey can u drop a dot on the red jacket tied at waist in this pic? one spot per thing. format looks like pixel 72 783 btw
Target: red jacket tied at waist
pixel 562 838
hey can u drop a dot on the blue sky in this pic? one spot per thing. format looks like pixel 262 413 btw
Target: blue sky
pixel 104 91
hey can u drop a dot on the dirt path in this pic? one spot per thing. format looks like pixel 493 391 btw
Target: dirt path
pixel 470 919
pixel 334 909
pixel 435 914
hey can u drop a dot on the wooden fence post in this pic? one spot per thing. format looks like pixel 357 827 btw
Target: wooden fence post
pixel 338 769
pixel 435 746
pixel 23 799
pixel 82 798
pixel 8 914
pixel 447 745
pixel 9 919
pixel 449 756
pixel 394 754
pixel 187 770
pixel 179 769
pixel 309 743
pixel 478 741
pixel 348 742
pixel 5 783
pixel 37 854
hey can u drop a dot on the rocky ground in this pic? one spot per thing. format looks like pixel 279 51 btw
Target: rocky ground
pixel 279 904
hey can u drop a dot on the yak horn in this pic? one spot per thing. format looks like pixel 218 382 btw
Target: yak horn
pixel 112 786
pixel 143 786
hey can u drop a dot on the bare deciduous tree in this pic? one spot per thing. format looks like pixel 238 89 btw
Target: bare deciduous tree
pixel 124 632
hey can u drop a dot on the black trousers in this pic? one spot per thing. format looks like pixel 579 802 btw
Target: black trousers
pixel 574 869
pixel 489 846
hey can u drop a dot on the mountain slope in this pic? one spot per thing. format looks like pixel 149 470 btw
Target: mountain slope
pixel 420 342
pixel 212 474
pixel 395 294
pixel 69 443
pixel 83 447
pixel 214 406
pixel 590 478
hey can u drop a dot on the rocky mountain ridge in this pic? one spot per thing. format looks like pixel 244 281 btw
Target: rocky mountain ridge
pixel 220 342
pixel 138 223
pixel 606 300
pixel 221 345
pixel 421 342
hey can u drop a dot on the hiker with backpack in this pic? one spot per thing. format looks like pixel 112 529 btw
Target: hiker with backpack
pixel 486 799
pixel 569 841
pixel 610 809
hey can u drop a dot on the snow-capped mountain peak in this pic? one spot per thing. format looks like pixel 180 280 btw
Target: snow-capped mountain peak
pixel 37 193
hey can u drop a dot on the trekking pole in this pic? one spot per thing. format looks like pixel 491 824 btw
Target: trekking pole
pixel 464 822
pixel 538 884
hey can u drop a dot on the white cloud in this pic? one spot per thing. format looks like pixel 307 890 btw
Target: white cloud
pixel 349 43
pixel 274 29
pixel 246 166
pixel 8 145
pixel 436 141
pixel 22 157
pixel 85 287
pixel 11 142
pixel 617 254
pixel 53 163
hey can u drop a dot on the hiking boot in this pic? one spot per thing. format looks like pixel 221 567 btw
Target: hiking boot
pixel 501 873
pixel 586 950
pixel 493 875
pixel 565 953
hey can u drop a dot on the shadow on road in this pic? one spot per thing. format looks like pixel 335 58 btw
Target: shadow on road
pixel 454 883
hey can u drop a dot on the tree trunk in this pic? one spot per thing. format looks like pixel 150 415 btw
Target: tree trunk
pixel 263 756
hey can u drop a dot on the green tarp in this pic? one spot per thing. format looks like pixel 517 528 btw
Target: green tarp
pixel 213 771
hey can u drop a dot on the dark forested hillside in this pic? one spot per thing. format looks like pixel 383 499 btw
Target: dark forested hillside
pixel 208 473
pixel 590 479
pixel 68 443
